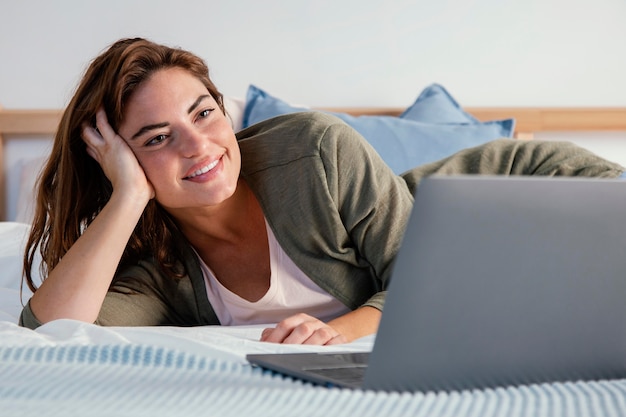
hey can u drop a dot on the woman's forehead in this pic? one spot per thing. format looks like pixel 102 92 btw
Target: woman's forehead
pixel 166 90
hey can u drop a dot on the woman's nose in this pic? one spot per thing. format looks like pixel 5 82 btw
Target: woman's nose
pixel 192 143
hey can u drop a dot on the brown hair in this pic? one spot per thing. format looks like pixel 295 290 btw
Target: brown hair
pixel 73 189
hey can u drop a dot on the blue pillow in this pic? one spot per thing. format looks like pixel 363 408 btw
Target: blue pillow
pixel 402 143
pixel 436 105
pixel 261 106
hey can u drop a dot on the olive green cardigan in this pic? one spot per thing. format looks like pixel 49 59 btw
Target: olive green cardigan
pixel 334 206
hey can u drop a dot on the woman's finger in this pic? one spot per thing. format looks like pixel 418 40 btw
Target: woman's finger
pixel 320 336
pixel 102 124
pixel 90 135
pixel 92 140
pixel 283 329
pixel 302 329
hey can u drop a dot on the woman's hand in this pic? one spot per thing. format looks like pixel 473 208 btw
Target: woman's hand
pixel 303 329
pixel 116 158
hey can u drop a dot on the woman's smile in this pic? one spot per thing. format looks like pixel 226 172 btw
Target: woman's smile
pixel 199 173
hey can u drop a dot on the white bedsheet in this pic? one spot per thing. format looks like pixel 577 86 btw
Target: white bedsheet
pixel 218 342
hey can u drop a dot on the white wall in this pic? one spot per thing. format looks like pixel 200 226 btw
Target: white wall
pixel 339 52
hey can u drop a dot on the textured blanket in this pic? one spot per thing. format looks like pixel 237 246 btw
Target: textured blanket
pixel 126 379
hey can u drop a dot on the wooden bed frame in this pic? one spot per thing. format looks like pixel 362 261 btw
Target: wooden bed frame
pixel 529 120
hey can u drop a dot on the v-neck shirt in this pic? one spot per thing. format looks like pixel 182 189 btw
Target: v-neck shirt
pixel 290 292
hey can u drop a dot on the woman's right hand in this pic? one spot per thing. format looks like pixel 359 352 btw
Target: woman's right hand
pixel 116 158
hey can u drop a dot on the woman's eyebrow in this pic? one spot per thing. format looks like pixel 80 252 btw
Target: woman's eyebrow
pixel 197 102
pixel 164 124
pixel 148 128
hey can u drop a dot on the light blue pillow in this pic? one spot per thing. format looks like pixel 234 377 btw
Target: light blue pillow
pixel 436 105
pixel 402 143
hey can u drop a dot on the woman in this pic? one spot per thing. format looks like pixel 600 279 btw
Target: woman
pixel 152 212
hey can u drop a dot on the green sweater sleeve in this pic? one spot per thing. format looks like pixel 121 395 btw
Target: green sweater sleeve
pixel 519 157
pixel 373 202
pixel 144 295
pixel 28 319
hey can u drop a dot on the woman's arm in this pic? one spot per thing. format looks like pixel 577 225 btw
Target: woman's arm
pixel 76 287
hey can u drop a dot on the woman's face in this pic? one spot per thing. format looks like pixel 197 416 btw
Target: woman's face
pixel 183 141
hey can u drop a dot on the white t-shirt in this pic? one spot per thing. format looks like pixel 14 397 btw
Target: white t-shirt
pixel 290 292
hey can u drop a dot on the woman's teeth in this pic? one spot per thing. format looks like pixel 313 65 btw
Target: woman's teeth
pixel 205 169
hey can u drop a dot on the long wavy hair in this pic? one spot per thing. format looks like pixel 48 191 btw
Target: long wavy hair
pixel 73 189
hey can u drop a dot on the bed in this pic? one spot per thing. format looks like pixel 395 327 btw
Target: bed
pixel 71 368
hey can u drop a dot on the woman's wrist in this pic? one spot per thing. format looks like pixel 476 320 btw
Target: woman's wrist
pixel 358 323
pixel 134 199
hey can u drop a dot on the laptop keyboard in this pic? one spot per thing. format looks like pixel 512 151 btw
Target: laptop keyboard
pixel 350 375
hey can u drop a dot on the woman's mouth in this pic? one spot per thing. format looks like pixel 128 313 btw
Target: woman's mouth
pixel 203 170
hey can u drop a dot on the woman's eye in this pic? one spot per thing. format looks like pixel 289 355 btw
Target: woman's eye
pixel 156 140
pixel 204 113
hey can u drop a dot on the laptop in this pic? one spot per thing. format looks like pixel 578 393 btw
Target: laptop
pixel 500 281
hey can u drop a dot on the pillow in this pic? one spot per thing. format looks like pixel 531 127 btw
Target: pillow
pixel 436 105
pixel 29 169
pixel 402 142
pixel 261 106
pixel 13 237
pixel 234 110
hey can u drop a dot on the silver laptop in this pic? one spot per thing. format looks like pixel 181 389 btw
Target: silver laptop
pixel 500 281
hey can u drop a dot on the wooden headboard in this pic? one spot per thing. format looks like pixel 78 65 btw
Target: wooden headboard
pixel 529 120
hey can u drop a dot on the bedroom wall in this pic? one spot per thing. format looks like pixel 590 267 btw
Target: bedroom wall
pixel 339 52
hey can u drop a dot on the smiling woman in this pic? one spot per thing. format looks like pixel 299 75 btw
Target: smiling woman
pixel 151 211
pixel 166 224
